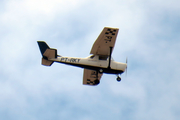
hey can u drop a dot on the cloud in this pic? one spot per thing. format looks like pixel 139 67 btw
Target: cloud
pixel 148 36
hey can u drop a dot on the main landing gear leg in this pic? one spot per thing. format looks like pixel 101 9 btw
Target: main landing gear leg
pixel 96 82
pixel 118 78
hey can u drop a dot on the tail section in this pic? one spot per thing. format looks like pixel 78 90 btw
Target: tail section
pixel 47 53
pixel 42 46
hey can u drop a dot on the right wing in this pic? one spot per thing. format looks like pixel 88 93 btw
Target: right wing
pixel 89 77
pixel 106 39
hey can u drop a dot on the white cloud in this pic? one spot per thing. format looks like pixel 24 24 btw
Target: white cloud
pixel 152 83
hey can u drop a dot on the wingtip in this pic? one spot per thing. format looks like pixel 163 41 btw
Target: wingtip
pixel 40 41
pixel 111 27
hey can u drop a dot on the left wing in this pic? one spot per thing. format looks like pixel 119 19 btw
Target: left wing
pixel 89 77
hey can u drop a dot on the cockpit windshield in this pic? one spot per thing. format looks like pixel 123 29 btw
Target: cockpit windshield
pixel 92 56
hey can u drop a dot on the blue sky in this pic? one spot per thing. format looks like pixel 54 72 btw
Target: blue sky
pixel 148 36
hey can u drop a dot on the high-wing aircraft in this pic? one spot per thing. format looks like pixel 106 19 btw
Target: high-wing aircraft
pixel 96 64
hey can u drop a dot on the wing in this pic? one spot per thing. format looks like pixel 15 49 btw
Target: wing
pixel 89 77
pixel 106 39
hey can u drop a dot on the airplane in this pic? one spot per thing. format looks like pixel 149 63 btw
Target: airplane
pixel 99 62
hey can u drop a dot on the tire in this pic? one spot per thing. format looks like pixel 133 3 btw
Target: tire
pixel 118 79
pixel 96 82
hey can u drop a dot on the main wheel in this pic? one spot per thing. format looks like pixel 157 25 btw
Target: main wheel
pixel 118 79
pixel 96 82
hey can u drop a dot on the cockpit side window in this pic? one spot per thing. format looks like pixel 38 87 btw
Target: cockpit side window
pixel 102 57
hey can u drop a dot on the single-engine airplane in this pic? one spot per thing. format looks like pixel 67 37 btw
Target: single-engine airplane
pixel 96 64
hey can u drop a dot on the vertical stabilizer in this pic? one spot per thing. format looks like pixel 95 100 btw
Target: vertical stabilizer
pixel 42 46
pixel 47 53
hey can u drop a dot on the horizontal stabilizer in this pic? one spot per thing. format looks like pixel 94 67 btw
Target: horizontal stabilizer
pixel 46 62
pixel 50 53
pixel 47 53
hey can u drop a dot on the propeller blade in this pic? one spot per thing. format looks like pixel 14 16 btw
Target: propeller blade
pixel 126 66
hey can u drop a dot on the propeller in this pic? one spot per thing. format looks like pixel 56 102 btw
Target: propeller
pixel 126 65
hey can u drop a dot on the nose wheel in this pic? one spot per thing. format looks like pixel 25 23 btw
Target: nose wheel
pixel 118 78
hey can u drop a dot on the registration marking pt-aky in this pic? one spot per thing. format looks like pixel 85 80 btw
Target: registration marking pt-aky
pixel 96 64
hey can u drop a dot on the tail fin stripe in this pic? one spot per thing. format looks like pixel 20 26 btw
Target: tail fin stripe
pixel 43 46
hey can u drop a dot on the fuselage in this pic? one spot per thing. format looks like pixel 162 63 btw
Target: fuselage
pixel 93 63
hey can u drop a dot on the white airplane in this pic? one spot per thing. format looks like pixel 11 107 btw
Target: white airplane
pixel 96 64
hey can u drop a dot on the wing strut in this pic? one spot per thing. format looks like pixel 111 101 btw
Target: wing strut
pixel 110 58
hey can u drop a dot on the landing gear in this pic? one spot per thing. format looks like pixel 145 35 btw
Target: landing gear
pixel 118 78
pixel 96 82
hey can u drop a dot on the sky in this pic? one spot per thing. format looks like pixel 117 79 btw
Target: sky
pixel 149 35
